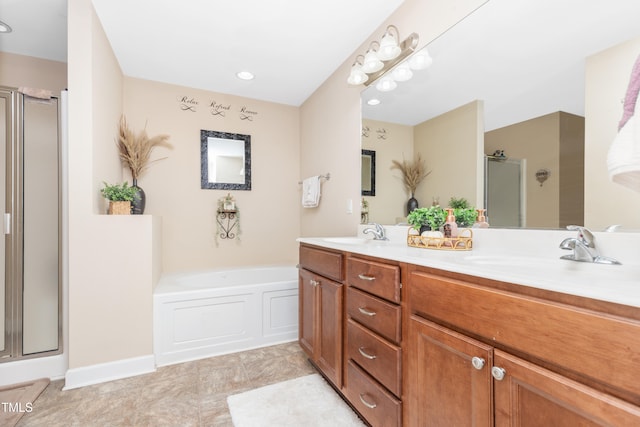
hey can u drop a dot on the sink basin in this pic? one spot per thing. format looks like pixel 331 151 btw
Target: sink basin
pixel 506 260
pixel 347 240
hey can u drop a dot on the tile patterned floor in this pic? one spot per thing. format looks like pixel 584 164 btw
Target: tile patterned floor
pixel 186 394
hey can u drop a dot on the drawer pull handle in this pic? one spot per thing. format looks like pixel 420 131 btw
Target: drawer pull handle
pixel 498 373
pixel 365 354
pixel 365 277
pixel 367 404
pixel 366 312
pixel 477 362
pixel 314 282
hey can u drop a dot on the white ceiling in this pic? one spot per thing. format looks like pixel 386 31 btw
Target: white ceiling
pixel 291 46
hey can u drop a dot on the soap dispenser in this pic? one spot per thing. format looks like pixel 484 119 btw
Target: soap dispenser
pixel 450 226
pixel 481 221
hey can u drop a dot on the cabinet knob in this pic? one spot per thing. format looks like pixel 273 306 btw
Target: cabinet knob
pixel 366 312
pixel 498 373
pixel 365 277
pixel 477 362
pixel 367 404
pixel 314 282
pixel 365 354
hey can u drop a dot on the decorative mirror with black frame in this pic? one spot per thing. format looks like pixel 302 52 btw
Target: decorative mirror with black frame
pixel 368 173
pixel 225 160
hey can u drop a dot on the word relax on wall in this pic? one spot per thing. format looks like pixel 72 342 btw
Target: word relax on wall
pixel 191 104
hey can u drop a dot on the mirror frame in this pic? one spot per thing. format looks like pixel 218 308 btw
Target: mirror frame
pixel 372 159
pixel 205 183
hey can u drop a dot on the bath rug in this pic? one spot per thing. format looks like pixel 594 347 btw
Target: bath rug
pixel 17 399
pixel 305 401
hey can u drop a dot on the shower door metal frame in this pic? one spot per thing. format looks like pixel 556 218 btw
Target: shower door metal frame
pixel 14 240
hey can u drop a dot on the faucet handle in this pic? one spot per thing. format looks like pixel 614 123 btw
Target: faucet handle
pixel 584 234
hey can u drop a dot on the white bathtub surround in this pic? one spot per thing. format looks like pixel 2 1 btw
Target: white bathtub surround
pixel 208 313
pixel 52 367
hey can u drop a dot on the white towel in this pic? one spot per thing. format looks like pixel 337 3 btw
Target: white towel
pixel 311 192
pixel 623 159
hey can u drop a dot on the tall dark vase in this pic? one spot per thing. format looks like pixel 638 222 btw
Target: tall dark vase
pixel 137 206
pixel 412 204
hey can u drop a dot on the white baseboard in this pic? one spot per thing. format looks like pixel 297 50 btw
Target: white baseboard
pixel 103 372
pixel 52 367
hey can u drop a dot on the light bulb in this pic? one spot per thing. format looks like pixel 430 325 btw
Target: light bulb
pixel 371 62
pixel 357 76
pixel 420 60
pixel 386 84
pixel 402 72
pixel 389 48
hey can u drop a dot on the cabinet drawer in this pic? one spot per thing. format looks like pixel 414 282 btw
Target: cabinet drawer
pixel 376 314
pixel 376 278
pixel 327 263
pixel 375 355
pixel 594 345
pixel 372 401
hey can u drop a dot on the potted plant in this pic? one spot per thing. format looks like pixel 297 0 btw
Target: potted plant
pixel 413 172
pixel 120 197
pixel 465 214
pixel 135 153
pixel 425 219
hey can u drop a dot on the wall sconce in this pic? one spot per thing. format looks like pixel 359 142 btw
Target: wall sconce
pixel 542 175
pixel 385 55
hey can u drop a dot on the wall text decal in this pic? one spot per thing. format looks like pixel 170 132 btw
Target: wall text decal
pixel 219 109
pixel 246 114
pixel 188 103
pixel 365 132
pixel 382 133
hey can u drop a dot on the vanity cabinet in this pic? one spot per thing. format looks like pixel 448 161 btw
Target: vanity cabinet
pixel 321 292
pixel 485 354
pixel 373 353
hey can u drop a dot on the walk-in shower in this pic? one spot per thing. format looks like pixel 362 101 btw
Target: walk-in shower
pixel 30 292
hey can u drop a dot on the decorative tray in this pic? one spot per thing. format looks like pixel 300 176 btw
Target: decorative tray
pixel 463 242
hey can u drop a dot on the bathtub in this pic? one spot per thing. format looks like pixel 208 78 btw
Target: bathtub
pixel 203 314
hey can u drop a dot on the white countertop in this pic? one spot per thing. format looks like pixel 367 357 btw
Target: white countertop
pixel 524 257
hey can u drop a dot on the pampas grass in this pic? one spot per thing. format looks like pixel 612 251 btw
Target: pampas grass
pixel 413 172
pixel 135 148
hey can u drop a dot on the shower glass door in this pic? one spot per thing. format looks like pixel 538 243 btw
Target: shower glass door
pixel 5 297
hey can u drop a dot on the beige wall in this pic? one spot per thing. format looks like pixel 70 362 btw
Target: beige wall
pixel 330 120
pixel 390 141
pixel 269 212
pixel 607 77
pixel 451 145
pixel 18 70
pixel 110 258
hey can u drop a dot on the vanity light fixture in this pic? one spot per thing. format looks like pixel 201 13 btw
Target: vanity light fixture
pixel 5 28
pixel 245 75
pixel 382 57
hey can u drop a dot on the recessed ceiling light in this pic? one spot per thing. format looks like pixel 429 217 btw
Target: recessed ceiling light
pixel 245 75
pixel 373 101
pixel 4 28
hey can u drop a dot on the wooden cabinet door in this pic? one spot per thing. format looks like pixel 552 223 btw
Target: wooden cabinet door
pixel 307 313
pixel 442 386
pixel 330 299
pixel 529 395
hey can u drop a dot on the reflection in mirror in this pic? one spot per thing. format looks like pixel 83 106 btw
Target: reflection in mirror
pixel 526 90
pixel 225 160
pixel 368 173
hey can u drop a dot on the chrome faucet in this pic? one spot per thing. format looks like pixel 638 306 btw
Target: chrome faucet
pixel 378 232
pixel 584 247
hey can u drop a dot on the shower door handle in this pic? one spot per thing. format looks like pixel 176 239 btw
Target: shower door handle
pixel 7 223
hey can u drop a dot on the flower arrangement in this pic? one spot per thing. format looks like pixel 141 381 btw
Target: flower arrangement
pixel 413 172
pixel 135 148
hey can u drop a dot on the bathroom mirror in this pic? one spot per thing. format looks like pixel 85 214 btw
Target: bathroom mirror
pixel 520 63
pixel 368 173
pixel 225 160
